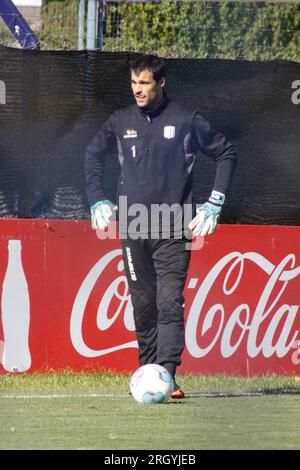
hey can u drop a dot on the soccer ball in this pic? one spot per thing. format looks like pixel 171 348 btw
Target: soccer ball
pixel 151 384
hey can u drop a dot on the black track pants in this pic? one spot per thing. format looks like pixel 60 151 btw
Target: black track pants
pixel 156 271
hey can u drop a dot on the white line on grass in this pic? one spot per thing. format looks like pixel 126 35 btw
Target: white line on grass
pixel 124 395
pixel 93 395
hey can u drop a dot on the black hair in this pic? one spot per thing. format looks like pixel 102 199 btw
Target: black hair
pixel 149 62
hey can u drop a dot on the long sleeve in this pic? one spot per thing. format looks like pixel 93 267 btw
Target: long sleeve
pixel 215 145
pixel 103 143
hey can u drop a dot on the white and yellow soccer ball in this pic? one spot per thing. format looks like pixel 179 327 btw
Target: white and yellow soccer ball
pixel 151 384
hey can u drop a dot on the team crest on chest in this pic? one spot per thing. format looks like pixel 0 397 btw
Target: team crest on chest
pixel 169 132
pixel 130 134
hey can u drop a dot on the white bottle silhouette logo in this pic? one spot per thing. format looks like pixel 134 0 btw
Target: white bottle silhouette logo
pixel 15 313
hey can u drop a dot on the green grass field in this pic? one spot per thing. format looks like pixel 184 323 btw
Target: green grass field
pixel 94 411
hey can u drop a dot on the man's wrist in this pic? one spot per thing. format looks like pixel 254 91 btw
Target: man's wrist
pixel 217 198
pixel 100 202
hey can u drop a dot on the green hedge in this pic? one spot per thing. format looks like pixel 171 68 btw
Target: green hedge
pixel 188 28
pixel 206 29
pixel 59 24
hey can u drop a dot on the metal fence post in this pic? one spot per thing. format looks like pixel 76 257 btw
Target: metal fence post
pixel 91 24
pixel 101 13
pixel 80 24
pixel 18 25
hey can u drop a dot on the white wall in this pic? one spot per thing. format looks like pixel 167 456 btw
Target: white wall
pixel 28 3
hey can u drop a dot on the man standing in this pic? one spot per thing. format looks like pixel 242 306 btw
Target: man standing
pixel 156 141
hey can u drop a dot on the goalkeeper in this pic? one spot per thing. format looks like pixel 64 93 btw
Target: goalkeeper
pixel 156 141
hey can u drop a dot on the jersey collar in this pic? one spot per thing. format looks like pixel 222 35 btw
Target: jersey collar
pixel 157 111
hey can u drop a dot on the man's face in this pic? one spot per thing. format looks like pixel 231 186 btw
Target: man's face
pixel 146 90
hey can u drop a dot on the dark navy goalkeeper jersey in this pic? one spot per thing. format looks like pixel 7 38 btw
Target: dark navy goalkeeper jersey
pixel 156 151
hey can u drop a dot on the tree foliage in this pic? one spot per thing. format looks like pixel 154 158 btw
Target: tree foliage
pixel 195 28
pixel 185 28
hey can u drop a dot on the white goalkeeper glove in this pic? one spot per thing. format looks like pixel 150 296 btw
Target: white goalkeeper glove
pixel 102 212
pixel 207 216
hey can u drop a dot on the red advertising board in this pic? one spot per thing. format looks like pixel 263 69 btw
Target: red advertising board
pixel 65 302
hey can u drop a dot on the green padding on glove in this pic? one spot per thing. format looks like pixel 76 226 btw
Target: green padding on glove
pixel 102 212
pixel 206 219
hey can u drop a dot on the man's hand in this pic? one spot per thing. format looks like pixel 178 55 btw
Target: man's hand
pixel 207 216
pixel 101 212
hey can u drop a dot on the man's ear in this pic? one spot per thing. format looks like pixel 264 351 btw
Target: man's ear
pixel 162 82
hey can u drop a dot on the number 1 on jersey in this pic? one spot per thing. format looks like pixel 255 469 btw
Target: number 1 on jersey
pixel 133 149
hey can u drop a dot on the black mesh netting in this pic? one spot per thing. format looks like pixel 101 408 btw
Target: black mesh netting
pixel 56 101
